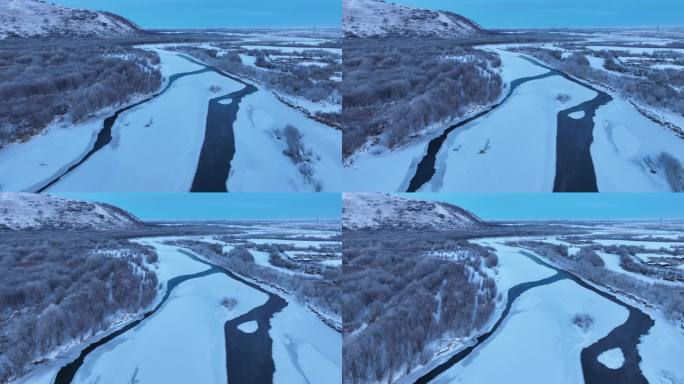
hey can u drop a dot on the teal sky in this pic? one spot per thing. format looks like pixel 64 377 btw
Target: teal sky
pixel 220 13
pixel 562 13
pixel 221 206
pixel 565 206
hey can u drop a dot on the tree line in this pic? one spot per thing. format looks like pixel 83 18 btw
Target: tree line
pixel 67 81
pixel 402 295
pixel 395 88
pixel 56 289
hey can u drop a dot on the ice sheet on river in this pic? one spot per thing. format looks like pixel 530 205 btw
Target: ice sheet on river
pixel 538 342
pixel 182 343
pixel 521 155
pixel 155 146
pixel 305 350
pixel 25 165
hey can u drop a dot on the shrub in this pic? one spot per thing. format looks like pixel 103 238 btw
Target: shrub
pixel 229 302
pixel 583 321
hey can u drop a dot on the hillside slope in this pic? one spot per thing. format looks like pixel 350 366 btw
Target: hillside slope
pixel 377 18
pixel 36 18
pixel 382 211
pixel 28 211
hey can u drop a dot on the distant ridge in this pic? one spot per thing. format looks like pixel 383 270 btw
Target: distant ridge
pixel 377 18
pixel 36 18
pixel 30 211
pixel 383 211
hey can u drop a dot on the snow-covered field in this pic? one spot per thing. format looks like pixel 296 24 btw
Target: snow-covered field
pixel 296 243
pixel 650 245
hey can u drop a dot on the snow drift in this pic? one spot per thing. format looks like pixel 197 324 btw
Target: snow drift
pixel 28 18
pixel 377 18
pixel 28 211
pixel 377 210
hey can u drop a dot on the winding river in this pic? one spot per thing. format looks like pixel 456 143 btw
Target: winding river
pixel 104 136
pixel 218 148
pixel 626 336
pixel 574 165
pixel 249 357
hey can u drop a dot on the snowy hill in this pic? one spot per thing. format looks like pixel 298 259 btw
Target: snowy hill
pixel 29 211
pixel 378 210
pixel 26 18
pixel 377 18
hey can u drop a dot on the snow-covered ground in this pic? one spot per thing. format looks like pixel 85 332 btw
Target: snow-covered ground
pixel 612 263
pixel 633 50
pixel 522 142
pixel 538 342
pixel 650 245
pixel 259 164
pixel 296 243
pixel 305 349
pixel 183 342
pixel 291 50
